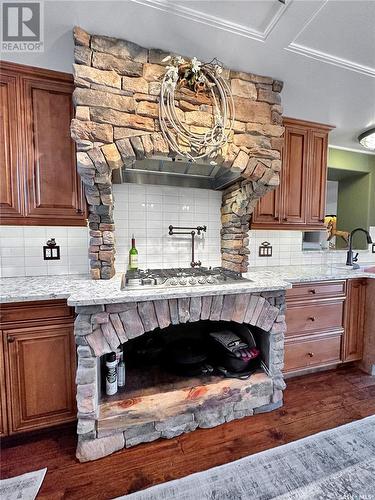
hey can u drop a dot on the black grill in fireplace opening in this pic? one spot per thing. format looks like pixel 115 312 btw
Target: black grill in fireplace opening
pixel 197 349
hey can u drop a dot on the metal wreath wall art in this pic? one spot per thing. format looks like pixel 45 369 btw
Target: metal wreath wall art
pixel 199 78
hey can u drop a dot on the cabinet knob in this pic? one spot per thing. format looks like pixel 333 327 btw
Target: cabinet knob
pixel 311 318
pixel 310 354
pixel 312 290
pixel 11 339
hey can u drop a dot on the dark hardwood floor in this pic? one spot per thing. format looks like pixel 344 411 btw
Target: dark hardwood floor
pixel 312 403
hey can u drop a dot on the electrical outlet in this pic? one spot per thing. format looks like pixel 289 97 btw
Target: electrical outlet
pixel 265 249
pixel 51 251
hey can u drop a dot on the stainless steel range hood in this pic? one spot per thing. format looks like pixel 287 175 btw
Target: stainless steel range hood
pixel 176 172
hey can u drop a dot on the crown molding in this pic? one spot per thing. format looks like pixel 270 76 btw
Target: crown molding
pixel 217 22
pixel 352 150
pixel 324 56
pixel 328 58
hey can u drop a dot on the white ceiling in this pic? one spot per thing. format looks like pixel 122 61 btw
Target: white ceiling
pixel 324 51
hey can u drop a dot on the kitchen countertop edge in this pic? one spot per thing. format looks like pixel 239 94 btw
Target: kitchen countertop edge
pixel 80 290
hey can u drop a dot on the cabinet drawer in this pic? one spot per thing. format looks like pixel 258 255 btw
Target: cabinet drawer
pixel 24 312
pixel 307 318
pixel 311 352
pixel 316 290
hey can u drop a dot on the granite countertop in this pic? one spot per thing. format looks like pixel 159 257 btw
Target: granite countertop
pixel 81 290
pixel 314 272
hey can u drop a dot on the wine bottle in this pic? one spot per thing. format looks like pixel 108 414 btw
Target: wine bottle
pixel 133 256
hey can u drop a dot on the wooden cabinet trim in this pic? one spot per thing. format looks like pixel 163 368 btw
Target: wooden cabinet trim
pixel 27 313
pixel 288 121
pixel 36 71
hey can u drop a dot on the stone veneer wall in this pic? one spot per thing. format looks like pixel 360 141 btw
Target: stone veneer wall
pixel 101 329
pixel 116 122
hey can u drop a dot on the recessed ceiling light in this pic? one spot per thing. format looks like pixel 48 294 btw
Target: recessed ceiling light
pixel 367 139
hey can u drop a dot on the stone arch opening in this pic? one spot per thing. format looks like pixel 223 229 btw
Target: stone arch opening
pixel 117 86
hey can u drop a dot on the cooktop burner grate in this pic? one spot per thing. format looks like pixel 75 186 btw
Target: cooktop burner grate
pixel 177 277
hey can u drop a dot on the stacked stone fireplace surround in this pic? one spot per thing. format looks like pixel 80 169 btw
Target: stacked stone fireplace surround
pixel 117 86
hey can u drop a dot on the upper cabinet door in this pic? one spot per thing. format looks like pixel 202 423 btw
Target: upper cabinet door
pixel 267 210
pixel 294 175
pixel 53 186
pixel 317 177
pixel 11 184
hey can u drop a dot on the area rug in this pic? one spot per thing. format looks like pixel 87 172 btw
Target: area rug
pixel 338 464
pixel 23 487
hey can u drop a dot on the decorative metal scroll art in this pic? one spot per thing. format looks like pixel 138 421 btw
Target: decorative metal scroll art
pixel 199 78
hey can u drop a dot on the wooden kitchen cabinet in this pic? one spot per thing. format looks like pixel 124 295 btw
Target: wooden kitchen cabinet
pixel 295 175
pixel 299 201
pixel 354 320
pixel 3 405
pixel 40 364
pixel 315 322
pixel 41 185
pixel 325 324
pixel 11 188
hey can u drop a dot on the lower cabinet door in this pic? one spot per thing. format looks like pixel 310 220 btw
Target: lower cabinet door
pixel 3 405
pixel 354 320
pixel 312 351
pixel 41 366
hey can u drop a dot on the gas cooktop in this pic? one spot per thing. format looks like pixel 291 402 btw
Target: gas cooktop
pixel 177 277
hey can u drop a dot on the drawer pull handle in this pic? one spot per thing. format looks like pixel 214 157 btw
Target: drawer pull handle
pixel 311 318
pixel 11 340
pixel 312 290
pixel 310 354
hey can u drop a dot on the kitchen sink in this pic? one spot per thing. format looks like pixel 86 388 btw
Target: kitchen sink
pixel 342 266
pixel 368 268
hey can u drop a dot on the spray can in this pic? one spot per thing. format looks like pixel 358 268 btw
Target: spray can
pixel 111 374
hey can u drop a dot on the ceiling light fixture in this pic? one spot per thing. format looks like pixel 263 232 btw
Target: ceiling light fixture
pixel 367 139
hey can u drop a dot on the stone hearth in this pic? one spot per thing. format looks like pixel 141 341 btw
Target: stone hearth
pixel 107 424
pixel 117 86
